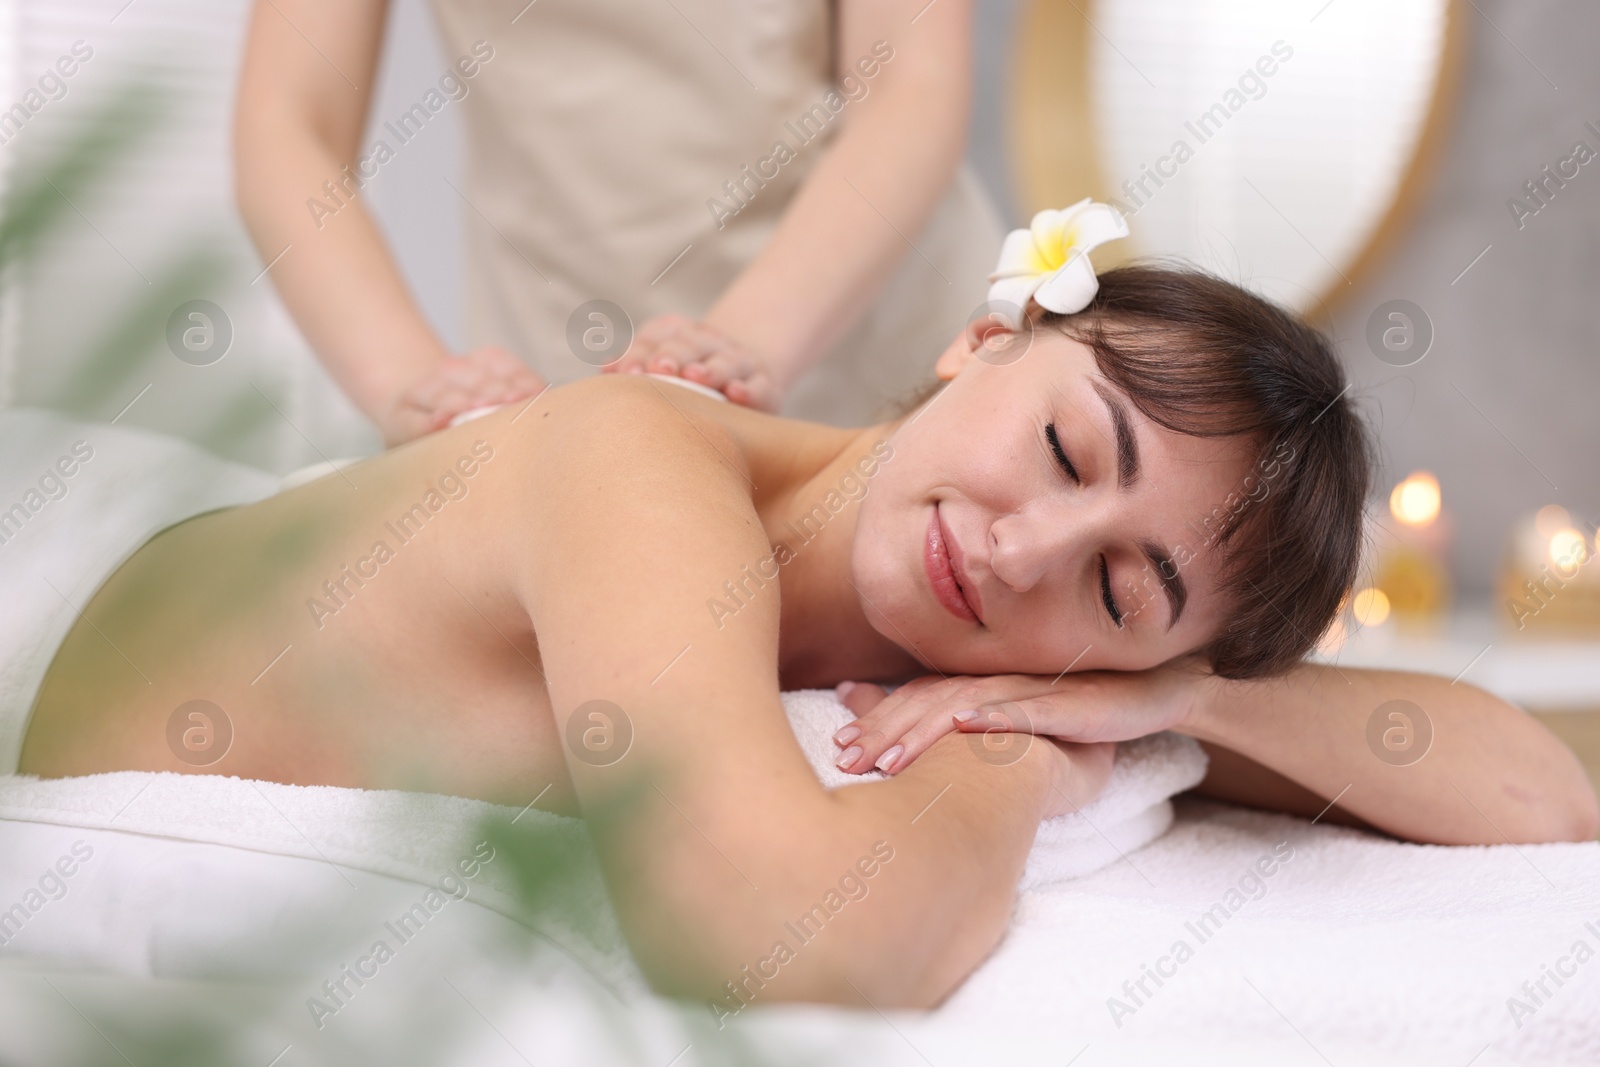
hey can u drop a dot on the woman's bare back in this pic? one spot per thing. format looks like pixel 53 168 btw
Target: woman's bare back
pixel 356 631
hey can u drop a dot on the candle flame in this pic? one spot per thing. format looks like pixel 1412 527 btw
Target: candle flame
pixel 1370 606
pixel 1416 500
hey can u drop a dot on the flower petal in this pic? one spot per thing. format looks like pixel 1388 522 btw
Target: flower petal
pixel 1019 256
pixel 1090 225
pixel 1010 295
pixel 1049 261
pixel 1069 289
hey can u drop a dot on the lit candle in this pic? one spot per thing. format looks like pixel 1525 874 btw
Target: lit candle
pixel 1411 580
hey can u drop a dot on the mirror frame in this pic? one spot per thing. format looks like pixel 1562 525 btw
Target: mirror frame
pixel 1050 113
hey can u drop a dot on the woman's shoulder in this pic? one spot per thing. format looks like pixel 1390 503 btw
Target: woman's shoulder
pixel 612 416
pixel 621 466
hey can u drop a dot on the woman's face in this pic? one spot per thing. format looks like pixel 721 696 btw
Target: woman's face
pixel 1031 519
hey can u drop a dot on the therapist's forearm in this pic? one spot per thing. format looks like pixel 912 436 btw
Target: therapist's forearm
pixel 848 227
pixel 338 281
pixel 1491 773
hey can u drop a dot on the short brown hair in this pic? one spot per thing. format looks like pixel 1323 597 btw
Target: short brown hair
pixel 1204 357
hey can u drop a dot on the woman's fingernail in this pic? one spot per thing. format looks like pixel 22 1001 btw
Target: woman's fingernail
pixel 965 716
pixel 847 735
pixel 843 690
pixel 886 760
pixel 848 757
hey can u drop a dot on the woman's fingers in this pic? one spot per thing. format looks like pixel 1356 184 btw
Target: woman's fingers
pixel 860 697
pixel 1093 707
pixel 899 728
pixel 1056 716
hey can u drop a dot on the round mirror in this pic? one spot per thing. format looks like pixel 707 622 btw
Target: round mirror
pixel 1278 144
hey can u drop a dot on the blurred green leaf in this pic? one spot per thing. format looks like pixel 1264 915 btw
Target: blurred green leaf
pixel 40 198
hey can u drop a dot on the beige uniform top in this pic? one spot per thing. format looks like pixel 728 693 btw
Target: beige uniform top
pixel 599 131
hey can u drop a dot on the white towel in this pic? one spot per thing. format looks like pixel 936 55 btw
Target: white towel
pixel 1130 812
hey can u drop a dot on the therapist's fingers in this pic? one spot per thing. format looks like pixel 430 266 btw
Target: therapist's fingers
pixel 741 375
pixel 502 372
pixel 719 367
pixel 647 344
pixel 480 378
pixel 758 390
pixel 680 352
pixel 659 327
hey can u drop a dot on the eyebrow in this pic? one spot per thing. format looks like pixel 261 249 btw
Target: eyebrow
pixel 1171 580
pixel 1127 447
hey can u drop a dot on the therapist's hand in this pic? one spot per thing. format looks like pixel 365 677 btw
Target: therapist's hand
pixel 484 376
pixel 699 352
pixel 1092 706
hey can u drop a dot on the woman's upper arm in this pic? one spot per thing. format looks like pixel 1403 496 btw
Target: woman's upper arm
pixel 311 62
pixel 636 517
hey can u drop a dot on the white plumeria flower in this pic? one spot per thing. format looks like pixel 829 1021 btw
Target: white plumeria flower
pixel 1049 261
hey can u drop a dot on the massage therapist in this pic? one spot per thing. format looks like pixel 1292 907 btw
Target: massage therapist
pixel 772 191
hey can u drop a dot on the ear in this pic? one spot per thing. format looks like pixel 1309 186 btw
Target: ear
pixel 964 349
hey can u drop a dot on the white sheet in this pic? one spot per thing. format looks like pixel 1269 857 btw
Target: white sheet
pixel 1361 951
pixel 62 534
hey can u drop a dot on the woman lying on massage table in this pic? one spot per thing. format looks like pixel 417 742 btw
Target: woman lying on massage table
pixel 1162 493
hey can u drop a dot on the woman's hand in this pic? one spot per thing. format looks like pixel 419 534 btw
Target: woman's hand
pixel 699 352
pixel 1094 706
pixel 1081 771
pixel 484 376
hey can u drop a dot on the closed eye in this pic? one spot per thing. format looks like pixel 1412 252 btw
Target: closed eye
pixel 1105 594
pixel 1060 454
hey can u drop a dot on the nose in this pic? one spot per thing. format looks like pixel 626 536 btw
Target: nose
pixel 1027 544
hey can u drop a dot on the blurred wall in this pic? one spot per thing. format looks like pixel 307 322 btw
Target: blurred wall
pixel 1505 407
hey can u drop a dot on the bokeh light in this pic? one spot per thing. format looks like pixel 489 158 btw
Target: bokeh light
pixel 1551 520
pixel 1568 550
pixel 1370 606
pixel 1416 500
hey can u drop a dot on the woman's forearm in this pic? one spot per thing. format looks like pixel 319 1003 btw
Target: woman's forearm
pixel 1490 774
pixel 962 825
pixel 297 126
pixel 887 893
pixel 868 196
pixel 339 283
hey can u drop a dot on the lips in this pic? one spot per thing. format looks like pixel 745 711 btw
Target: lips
pixel 941 559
